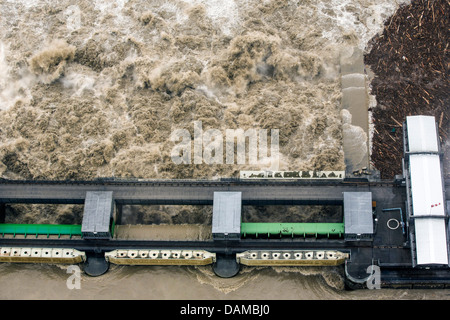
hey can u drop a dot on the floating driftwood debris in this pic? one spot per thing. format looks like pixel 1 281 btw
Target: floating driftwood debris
pixel 411 67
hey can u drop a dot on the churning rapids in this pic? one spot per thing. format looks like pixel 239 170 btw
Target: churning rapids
pixel 94 89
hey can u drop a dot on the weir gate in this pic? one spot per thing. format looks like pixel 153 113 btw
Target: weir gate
pixel 383 236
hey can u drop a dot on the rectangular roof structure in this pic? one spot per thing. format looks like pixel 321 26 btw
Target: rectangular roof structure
pixel 431 241
pixel 428 200
pixel 426 185
pixel 358 213
pixel 422 134
pixel 426 194
pixel 227 213
pixel 98 210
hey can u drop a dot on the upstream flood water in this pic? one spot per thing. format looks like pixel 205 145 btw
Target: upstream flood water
pixel 95 88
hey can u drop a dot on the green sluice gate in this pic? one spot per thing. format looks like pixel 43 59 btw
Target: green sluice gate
pixel 252 229
pixel 258 229
pixel 40 229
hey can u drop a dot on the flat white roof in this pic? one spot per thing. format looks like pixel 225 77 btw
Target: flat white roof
pixel 426 191
pixel 431 241
pixel 422 136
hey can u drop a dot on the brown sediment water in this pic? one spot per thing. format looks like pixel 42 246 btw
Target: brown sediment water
pixel 174 232
pixel 95 88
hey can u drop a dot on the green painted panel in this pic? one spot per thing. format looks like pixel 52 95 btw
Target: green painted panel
pixel 40 229
pixel 291 229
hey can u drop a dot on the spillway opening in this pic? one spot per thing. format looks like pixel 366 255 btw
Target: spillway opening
pixel 41 221
pixel 44 213
pixel 165 214
pixel 164 222
pixel 293 213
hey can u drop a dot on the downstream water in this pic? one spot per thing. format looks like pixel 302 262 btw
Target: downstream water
pixel 95 88
pixel 192 283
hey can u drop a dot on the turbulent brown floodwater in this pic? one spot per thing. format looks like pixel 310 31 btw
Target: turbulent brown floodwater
pixel 95 88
